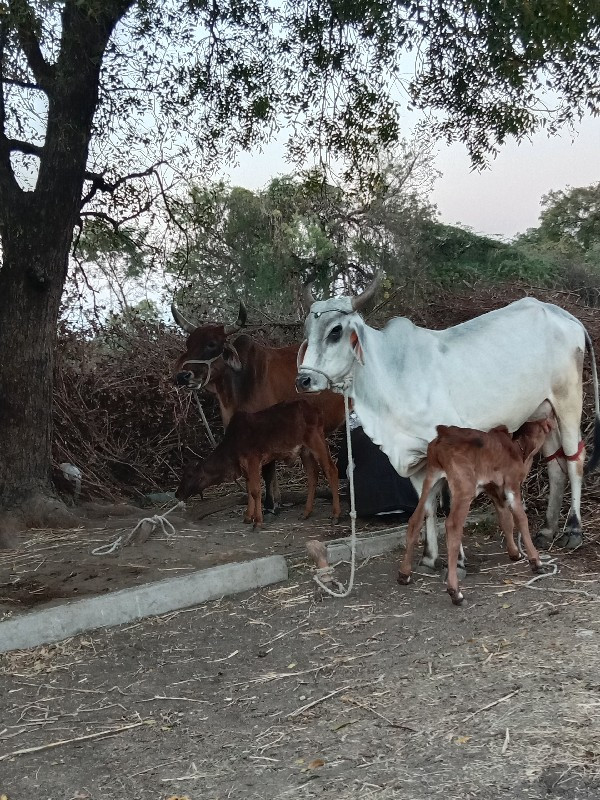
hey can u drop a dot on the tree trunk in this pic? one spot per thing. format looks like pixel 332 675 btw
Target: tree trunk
pixel 36 228
pixel 31 284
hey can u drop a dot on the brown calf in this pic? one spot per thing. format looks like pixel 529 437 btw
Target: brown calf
pixel 472 461
pixel 279 433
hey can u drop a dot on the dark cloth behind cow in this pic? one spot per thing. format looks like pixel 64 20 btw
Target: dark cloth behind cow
pixel 377 486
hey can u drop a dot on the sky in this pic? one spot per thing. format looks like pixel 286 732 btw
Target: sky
pixel 501 201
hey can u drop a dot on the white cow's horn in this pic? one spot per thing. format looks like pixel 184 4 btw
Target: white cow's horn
pixel 361 300
pixel 240 321
pixel 183 323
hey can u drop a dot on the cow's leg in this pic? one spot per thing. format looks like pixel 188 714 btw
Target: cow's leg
pixel 272 493
pixel 557 477
pixel 320 450
pixel 312 478
pixel 573 535
pixel 515 503
pixel 455 523
pixel 568 404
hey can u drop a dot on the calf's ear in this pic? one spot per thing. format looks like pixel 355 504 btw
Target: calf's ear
pixel 356 346
pixel 231 358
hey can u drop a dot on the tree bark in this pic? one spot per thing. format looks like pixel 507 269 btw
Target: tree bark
pixel 31 284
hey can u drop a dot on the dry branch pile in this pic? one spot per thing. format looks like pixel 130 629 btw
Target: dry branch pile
pixel 117 415
pixel 119 418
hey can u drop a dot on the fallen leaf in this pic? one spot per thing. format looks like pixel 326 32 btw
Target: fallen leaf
pixel 316 762
pixel 505 605
pixel 291 666
pixel 462 739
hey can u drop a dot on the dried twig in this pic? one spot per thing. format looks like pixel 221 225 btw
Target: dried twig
pixel 61 742
pixel 304 708
pixel 491 705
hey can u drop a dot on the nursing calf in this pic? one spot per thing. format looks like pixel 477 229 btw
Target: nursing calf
pixel 279 433
pixel 472 461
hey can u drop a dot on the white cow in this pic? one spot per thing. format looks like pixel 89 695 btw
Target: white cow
pixel 496 369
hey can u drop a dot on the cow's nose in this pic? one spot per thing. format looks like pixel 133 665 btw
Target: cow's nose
pixel 183 378
pixel 303 383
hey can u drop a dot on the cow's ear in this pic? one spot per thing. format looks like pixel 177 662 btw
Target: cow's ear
pixel 356 346
pixel 231 358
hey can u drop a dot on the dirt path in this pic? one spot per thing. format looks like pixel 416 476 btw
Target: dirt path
pixel 393 693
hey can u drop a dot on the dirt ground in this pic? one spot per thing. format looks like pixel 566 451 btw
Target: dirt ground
pixel 51 567
pixel 390 693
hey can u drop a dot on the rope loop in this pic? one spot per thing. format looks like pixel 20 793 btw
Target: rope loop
pixel 156 521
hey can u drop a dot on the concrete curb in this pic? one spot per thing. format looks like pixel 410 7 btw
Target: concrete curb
pixel 127 605
pixel 366 546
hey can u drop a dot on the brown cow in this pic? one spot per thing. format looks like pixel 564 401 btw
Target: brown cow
pixel 246 376
pixel 473 461
pixel 279 433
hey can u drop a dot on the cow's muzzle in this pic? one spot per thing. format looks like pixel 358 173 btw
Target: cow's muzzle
pixel 184 378
pixel 303 383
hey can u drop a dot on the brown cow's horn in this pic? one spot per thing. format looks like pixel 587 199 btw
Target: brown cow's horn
pixel 240 321
pixel 308 297
pixel 361 300
pixel 183 323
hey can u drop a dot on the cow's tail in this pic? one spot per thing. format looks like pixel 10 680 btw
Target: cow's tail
pixel 595 457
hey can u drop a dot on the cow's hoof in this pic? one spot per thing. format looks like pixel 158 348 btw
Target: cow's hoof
pixel 248 520
pixel 430 565
pixel 570 541
pixel 543 539
pixel 274 511
pixel 404 579
pixel 456 596
pixel 538 568
pixel 257 526
pixel 514 556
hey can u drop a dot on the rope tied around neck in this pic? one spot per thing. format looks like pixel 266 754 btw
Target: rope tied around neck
pixel 156 521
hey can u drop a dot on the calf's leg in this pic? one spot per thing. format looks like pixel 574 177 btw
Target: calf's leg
pixel 505 520
pixel 455 522
pixel 254 492
pixel 312 477
pixel 425 508
pixel 319 449
pixel 516 506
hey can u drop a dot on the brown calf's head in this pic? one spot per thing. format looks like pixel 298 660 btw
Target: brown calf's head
pixel 198 476
pixel 206 345
pixel 531 435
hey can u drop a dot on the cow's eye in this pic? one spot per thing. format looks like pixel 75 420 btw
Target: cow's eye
pixel 335 334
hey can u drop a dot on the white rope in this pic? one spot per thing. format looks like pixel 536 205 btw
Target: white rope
pixel 157 521
pixel 326 570
pixel 211 438
pixel 547 561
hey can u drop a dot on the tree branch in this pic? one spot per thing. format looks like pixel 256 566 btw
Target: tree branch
pixel 22 84
pixel 100 184
pixel 23 147
pixel 25 25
